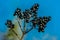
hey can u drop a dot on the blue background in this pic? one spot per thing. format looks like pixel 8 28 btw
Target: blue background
pixel 47 8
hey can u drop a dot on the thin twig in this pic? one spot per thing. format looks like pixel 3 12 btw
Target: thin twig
pixel 29 30
pixel 22 36
pixel 24 26
pixel 19 24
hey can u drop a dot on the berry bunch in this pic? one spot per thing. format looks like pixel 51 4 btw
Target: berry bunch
pixel 9 24
pixel 18 13
pixel 28 13
pixel 41 22
pixel 31 13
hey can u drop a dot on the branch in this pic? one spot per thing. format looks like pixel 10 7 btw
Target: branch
pixel 28 30
pixel 24 26
pixel 19 25
pixel 22 37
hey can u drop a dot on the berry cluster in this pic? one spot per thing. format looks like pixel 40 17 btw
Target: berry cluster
pixel 41 22
pixel 9 24
pixel 28 13
pixel 31 13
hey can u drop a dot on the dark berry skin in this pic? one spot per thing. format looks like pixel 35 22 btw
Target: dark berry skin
pixel 45 19
pixel 39 21
pixel 34 8
pixel 34 22
pixel 28 11
pixel 27 14
pixel 42 21
pixel 41 28
pixel 18 13
pixel 27 20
